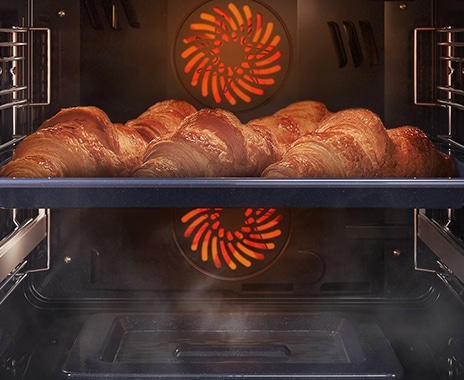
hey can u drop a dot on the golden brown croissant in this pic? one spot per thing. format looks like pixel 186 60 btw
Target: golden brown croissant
pixel 210 142
pixel 161 119
pixel 213 142
pixel 350 143
pixel 355 143
pixel 83 142
pixel 416 156
pixel 288 124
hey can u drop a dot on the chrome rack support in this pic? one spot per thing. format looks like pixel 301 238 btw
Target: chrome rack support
pixel 448 248
pixel 18 58
pixel 49 64
pixel 14 249
pixel 416 69
pixel 12 281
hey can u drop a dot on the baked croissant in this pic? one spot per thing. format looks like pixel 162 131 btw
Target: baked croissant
pixel 416 156
pixel 214 143
pixel 288 124
pixel 210 142
pixel 83 142
pixel 354 143
pixel 161 119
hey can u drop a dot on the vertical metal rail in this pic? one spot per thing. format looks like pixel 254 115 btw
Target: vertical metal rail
pixel 14 249
pixel 438 236
pixel 48 63
pixel 16 59
pixel 17 47
pixel 416 67
pixel 449 46
pixel 448 249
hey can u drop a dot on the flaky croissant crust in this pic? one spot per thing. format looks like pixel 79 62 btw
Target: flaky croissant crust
pixel 354 143
pixel 83 142
pixel 214 143
pixel 173 139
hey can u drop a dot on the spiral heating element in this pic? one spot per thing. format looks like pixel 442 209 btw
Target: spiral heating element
pixel 232 54
pixel 232 242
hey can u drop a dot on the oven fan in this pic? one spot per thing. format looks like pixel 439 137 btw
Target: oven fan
pixel 232 55
pixel 231 244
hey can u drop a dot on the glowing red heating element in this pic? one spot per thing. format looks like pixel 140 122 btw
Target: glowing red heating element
pixel 232 243
pixel 232 54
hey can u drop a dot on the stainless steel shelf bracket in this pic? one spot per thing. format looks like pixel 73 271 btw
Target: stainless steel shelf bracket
pixel 15 248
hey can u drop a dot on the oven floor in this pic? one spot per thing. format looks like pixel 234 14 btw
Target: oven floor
pixel 224 345
pixel 56 344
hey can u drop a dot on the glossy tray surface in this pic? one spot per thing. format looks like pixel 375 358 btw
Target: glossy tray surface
pixel 230 192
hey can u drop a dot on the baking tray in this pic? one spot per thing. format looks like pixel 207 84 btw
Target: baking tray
pixel 234 192
pixel 225 345
pixel 230 192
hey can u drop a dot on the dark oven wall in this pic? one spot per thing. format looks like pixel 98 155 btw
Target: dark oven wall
pixel 125 56
pixel 103 256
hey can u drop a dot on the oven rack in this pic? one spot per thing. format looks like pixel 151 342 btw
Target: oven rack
pixel 16 49
pixel 13 45
pixel 446 91
pixel 25 78
pixel 447 80
pixel 448 249
pixel 451 58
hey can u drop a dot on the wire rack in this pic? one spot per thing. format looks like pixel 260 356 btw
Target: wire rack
pixel 19 90
pixel 444 48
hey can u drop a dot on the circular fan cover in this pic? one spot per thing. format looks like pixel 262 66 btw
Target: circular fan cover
pixel 231 244
pixel 232 54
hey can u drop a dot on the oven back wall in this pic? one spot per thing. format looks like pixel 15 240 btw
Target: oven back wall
pixel 143 257
pixel 124 60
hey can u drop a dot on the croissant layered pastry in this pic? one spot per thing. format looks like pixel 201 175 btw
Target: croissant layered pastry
pixel 354 143
pixel 214 143
pixel 416 156
pixel 83 142
pixel 161 119
pixel 288 124
pixel 173 139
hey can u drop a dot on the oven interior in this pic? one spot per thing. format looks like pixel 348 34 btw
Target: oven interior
pixel 221 278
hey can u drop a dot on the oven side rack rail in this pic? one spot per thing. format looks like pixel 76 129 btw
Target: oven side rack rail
pixel 447 248
pixel 445 83
pixel 442 49
pixel 17 72
pixel 15 249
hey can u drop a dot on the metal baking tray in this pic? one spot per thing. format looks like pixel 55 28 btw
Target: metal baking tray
pixel 230 192
pixel 234 192
pixel 225 345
